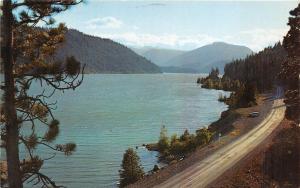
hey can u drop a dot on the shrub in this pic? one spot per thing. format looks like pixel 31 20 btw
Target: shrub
pixel 203 136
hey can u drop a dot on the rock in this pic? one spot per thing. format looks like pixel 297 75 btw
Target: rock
pixel 152 147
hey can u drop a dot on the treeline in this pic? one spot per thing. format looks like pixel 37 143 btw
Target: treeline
pixel 171 149
pixel 214 81
pixel 261 69
pixel 243 94
pixel 245 77
pixel 176 147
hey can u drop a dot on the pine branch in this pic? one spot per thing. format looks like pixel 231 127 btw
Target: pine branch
pixel 47 2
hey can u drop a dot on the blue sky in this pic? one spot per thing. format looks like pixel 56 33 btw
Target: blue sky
pixel 182 25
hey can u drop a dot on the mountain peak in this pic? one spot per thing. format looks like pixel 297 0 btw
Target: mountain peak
pixel 216 54
pixel 220 43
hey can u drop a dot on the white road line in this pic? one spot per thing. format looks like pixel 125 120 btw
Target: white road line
pixel 204 172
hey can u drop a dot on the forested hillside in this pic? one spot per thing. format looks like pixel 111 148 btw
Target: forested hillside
pixel 103 55
pixel 256 73
pixel 262 68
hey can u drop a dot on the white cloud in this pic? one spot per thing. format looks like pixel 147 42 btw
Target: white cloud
pixel 105 22
pixel 164 40
pixel 256 39
pixel 132 35
pixel 135 27
pixel 151 5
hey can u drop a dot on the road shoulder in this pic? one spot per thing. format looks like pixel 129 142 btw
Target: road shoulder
pixel 258 168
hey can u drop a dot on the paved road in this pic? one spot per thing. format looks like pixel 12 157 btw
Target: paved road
pixel 206 171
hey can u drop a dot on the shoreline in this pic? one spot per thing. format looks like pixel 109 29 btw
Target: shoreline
pixel 213 127
pixel 232 124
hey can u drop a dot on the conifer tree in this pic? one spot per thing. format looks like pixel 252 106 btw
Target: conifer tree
pixel 203 136
pixel 27 54
pixel 131 168
pixel 163 143
pixel 290 69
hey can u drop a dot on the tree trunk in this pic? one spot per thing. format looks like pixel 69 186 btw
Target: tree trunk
pixel 12 131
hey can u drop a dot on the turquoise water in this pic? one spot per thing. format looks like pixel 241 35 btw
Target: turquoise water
pixel 110 113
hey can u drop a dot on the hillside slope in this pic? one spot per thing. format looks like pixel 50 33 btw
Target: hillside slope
pixel 161 56
pixel 261 68
pixel 103 55
pixel 213 55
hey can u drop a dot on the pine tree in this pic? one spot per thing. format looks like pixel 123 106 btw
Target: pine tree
pixel 290 70
pixel 27 53
pixel 203 136
pixel 163 143
pixel 260 69
pixel 131 168
pixel 249 93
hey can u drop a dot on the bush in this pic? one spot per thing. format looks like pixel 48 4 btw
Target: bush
pixel 203 136
pixel 155 168
pixel 222 98
pixel 178 147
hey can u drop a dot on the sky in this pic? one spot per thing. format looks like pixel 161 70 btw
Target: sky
pixel 183 25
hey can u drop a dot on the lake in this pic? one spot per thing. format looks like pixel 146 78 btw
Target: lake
pixel 110 112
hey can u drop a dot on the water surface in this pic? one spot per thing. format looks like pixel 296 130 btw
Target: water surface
pixel 110 113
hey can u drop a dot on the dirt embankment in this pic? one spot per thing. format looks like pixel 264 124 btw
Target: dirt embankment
pixel 231 126
pixel 276 163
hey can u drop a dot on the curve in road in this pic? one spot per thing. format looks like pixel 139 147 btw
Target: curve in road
pixel 206 171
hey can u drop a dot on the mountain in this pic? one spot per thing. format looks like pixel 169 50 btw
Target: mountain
pixel 172 69
pixel 213 55
pixel 103 55
pixel 141 50
pixel 159 56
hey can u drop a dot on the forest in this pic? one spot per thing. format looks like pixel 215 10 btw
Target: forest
pixel 257 73
pixel 262 68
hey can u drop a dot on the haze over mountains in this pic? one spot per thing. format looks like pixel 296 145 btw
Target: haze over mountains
pixel 158 56
pixel 199 60
pixel 103 55
pixel 106 56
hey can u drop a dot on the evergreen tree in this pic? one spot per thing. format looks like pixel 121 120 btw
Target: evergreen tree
pixel 214 74
pixel 27 53
pixel 290 69
pixel 261 69
pixel 249 93
pixel 185 136
pixel 203 136
pixel 131 168
pixel 163 143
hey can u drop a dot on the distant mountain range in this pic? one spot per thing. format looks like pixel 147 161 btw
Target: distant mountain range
pixel 199 60
pixel 158 56
pixel 103 55
pixel 106 56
